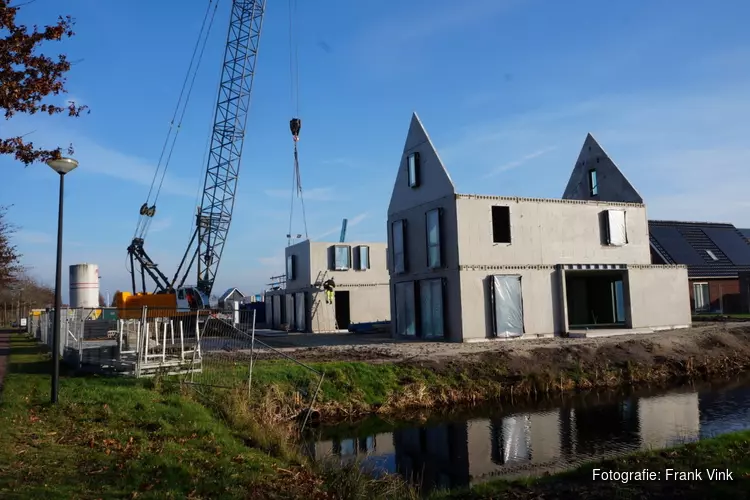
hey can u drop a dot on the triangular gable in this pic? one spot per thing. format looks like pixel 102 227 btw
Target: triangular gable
pixel 229 293
pixel 610 183
pixel 434 182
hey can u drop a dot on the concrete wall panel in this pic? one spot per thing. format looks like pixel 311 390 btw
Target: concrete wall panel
pixel 659 297
pixel 548 232
pixel 540 289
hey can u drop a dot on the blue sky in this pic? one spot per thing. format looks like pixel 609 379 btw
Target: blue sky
pixel 506 89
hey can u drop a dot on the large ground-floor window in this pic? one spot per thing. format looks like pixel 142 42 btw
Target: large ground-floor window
pixel 403 294
pixel 595 299
pixel 701 297
pixel 431 309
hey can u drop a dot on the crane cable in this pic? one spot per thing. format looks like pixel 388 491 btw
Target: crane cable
pixel 295 124
pixel 147 212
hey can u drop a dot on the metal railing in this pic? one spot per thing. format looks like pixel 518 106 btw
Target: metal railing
pixel 137 342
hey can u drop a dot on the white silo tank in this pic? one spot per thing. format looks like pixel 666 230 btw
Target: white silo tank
pixel 84 285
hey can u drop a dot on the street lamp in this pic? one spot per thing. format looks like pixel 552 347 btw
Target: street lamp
pixel 62 166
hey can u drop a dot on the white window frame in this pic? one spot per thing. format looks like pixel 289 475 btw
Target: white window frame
pixel 707 306
pixel 399 254
pixel 437 212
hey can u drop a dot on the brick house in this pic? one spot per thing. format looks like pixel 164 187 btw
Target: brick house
pixel 716 255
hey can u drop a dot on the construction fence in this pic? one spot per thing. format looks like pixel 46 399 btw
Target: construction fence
pixel 209 350
pixel 230 356
pixel 137 343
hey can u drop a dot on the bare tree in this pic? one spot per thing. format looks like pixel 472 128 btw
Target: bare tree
pixel 10 259
pixel 27 77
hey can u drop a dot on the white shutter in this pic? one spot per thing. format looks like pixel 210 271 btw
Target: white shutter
pixel 616 229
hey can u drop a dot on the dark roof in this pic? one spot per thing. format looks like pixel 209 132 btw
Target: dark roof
pixel 709 250
pixel 229 293
pixel 745 233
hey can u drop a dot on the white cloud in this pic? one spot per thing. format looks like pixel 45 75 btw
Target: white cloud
pixel 354 221
pixel 396 38
pixel 98 159
pixel 159 225
pixel 517 163
pixel 274 261
pixel 314 194
pixel 33 237
pixel 684 151
pixel 94 158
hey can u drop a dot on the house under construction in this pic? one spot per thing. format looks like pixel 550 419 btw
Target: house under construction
pixel 361 294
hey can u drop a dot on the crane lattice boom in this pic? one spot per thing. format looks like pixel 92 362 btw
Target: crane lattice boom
pixel 228 137
pixel 214 214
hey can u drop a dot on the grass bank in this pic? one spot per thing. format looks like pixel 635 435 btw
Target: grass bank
pixel 730 452
pixel 118 438
pixel 353 389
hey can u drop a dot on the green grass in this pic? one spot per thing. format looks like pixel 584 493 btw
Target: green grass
pixel 717 316
pixel 125 438
pixel 354 384
pixel 113 437
pixel 731 451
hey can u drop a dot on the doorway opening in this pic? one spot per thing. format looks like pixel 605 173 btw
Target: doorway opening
pixel 595 299
pixel 343 313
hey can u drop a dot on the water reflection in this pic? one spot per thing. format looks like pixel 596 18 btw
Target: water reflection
pixel 512 442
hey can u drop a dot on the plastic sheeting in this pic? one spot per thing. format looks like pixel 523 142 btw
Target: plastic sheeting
pixel 616 230
pixel 508 306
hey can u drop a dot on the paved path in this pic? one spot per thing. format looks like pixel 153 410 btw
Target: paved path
pixel 4 355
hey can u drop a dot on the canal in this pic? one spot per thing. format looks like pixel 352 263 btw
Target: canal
pixel 531 438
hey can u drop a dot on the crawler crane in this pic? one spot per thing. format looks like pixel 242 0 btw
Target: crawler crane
pixel 214 215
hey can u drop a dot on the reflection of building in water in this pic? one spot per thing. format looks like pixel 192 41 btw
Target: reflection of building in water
pixel 668 420
pixel 435 457
pixel 605 428
pixel 453 455
pixel 353 448
pixel 515 440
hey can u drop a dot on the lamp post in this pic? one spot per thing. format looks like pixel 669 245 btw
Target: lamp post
pixel 62 166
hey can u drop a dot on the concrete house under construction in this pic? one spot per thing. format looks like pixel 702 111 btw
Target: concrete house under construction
pixel 361 294
pixel 466 267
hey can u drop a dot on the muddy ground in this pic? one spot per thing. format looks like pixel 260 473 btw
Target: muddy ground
pixel 711 340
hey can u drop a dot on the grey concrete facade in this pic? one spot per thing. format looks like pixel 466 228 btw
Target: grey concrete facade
pixel 450 255
pixel 360 272
pixel 596 177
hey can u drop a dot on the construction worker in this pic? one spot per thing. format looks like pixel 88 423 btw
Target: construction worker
pixel 329 286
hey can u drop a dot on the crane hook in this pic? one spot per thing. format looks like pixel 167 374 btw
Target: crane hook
pixel 295 124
